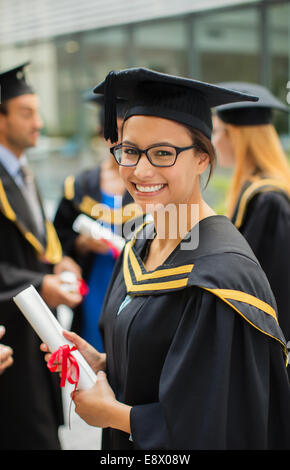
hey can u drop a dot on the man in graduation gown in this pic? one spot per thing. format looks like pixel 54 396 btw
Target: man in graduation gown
pixel 30 254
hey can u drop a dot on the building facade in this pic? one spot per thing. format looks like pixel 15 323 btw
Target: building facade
pixel 72 45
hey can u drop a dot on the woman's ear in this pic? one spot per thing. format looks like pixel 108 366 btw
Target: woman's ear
pixel 203 162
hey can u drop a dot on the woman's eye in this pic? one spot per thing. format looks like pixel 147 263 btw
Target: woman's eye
pixel 130 151
pixel 162 153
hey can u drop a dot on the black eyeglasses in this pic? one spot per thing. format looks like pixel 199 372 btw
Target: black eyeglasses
pixel 158 155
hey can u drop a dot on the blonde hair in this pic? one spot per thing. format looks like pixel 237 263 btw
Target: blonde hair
pixel 256 148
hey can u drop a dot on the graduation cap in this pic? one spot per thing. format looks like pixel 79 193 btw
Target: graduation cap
pixel 247 113
pixel 13 83
pixel 153 93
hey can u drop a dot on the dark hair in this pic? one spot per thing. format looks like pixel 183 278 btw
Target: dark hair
pixel 204 145
pixel 3 108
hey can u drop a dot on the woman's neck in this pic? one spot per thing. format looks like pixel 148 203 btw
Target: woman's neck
pixel 172 226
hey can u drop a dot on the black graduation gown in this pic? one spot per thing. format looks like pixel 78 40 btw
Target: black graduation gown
pixel 197 352
pixel 30 397
pixel 262 215
pixel 82 195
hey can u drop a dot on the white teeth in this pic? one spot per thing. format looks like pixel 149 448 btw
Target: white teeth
pixel 149 189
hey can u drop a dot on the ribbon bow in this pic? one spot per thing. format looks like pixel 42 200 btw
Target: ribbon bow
pixel 68 363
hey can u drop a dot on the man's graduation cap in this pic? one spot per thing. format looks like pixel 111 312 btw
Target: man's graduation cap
pixel 247 113
pixel 152 93
pixel 13 83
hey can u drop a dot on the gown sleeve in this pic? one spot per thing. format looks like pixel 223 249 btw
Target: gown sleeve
pixel 267 230
pixel 19 267
pixel 13 279
pixel 217 389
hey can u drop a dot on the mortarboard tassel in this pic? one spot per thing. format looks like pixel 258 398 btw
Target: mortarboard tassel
pixel 110 124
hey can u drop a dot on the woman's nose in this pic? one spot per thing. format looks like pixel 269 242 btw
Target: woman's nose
pixel 144 167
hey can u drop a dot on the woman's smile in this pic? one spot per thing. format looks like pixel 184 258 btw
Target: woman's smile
pixel 148 189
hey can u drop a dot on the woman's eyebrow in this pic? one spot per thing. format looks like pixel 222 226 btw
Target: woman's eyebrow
pixel 155 143
pixel 128 142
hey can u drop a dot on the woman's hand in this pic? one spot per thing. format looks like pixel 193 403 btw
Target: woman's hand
pixel 84 244
pixel 94 358
pixel 68 264
pixel 6 359
pixel 98 406
pixel 53 294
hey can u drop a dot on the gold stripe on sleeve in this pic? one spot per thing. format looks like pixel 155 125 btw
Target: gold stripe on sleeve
pixel 69 189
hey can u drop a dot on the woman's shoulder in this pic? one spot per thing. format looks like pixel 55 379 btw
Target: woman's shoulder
pixel 217 235
pixel 211 236
pixel 224 259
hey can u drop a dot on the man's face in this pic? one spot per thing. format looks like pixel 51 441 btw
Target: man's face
pixel 21 126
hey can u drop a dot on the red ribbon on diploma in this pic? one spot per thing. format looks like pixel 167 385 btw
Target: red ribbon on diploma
pixel 113 248
pixel 68 363
pixel 83 288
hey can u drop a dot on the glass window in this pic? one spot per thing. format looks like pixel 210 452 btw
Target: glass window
pixel 279 48
pixel 226 46
pixel 104 50
pixel 161 46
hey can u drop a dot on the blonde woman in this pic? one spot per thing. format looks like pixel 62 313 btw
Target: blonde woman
pixel 259 195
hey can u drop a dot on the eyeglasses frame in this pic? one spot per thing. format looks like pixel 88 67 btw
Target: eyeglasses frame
pixel 178 150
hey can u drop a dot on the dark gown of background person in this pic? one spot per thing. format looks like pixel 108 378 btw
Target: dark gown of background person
pixel 198 352
pixel 31 408
pixel 83 195
pixel 262 215
pixel 262 212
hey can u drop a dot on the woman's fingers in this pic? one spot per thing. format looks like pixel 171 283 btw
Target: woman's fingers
pixel 5 353
pixel 44 347
pixel 79 342
pixel 6 359
pixel 2 331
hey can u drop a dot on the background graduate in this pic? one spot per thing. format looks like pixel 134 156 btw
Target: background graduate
pixel 194 356
pixel 259 195
pixel 30 253
pixel 86 193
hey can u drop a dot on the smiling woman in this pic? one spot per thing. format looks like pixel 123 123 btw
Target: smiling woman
pixel 194 355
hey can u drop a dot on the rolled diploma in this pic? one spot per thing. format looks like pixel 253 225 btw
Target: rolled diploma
pixel 87 226
pixel 49 330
